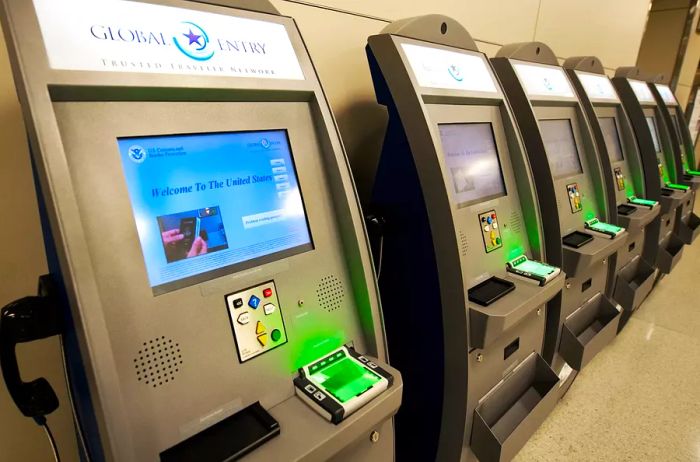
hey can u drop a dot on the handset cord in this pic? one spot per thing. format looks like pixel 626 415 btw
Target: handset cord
pixel 76 422
pixel 41 421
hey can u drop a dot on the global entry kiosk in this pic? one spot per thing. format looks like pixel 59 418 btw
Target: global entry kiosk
pixel 220 292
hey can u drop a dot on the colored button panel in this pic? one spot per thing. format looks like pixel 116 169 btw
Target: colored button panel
pixel 256 319
pixel 490 232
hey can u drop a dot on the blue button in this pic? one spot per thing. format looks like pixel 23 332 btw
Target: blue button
pixel 489 220
pixel 253 302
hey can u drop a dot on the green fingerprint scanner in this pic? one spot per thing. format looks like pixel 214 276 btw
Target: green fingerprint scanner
pixel 532 269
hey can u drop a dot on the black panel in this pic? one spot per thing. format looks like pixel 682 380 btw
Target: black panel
pixel 230 439
pixel 577 239
pixel 492 289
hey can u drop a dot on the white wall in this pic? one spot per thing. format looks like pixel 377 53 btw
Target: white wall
pixel 609 29
pixel 336 33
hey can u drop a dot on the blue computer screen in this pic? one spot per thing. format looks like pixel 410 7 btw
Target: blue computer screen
pixel 209 204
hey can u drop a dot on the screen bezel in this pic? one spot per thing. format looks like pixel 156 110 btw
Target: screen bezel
pixel 575 142
pixel 482 199
pixel 205 276
pixel 655 140
pixel 618 139
pixel 677 127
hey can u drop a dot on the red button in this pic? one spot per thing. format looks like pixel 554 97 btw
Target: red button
pixel 267 293
pixel 493 216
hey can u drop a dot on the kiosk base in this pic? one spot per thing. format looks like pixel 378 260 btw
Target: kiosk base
pixel 511 412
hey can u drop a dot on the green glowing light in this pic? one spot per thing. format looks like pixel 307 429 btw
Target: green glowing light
pixel 605 227
pixel 680 187
pixel 343 378
pixel 645 202
pixel 515 252
pixel 537 268
pixel 692 172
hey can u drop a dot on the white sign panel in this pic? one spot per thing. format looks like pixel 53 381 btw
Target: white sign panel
pixel 641 89
pixel 437 68
pixel 124 36
pixel 666 94
pixel 597 86
pixel 544 81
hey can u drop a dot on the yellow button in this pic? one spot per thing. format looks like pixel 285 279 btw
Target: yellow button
pixel 262 338
pixel 259 328
pixel 493 234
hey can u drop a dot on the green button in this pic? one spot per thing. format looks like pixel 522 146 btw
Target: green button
pixel 498 241
pixel 276 335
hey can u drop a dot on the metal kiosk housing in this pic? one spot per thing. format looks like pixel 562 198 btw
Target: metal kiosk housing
pixel 636 262
pixel 119 328
pixel 685 162
pixel 658 161
pixel 489 387
pixel 539 90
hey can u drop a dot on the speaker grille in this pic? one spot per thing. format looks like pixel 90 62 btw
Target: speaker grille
pixel 330 293
pixel 463 244
pixel 516 222
pixel 158 361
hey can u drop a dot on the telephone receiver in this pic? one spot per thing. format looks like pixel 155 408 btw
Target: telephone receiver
pixel 25 320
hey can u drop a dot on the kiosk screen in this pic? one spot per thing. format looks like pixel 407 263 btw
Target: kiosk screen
pixel 612 138
pixel 560 147
pixel 654 133
pixel 471 158
pixel 206 205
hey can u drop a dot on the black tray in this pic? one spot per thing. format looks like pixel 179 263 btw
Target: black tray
pixel 228 440
pixel 577 239
pixel 487 292
pixel 625 210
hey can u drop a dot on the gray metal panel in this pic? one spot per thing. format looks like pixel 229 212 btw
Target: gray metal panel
pixel 105 343
pixel 433 28
pixel 534 52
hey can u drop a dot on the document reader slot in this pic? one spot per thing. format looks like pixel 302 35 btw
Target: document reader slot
pixel 642 202
pixel 531 269
pixel 606 229
pixel 340 383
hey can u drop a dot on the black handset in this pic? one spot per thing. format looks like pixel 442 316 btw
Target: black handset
pixel 25 320
pixel 188 228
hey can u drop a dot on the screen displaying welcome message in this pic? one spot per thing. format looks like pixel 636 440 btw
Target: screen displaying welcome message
pixel 209 204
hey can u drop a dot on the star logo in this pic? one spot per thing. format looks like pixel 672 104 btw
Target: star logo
pixel 193 38
pixel 195 44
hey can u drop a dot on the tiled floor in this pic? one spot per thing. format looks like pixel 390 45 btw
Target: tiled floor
pixel 639 399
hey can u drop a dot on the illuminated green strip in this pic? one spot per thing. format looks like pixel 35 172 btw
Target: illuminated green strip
pixel 605 227
pixel 345 379
pixel 680 187
pixel 692 172
pixel 638 201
